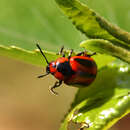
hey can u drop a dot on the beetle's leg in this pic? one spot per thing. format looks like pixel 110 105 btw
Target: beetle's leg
pixel 84 53
pixel 61 52
pixel 92 54
pixel 71 51
pixel 57 84
pixel 87 55
pixel 79 54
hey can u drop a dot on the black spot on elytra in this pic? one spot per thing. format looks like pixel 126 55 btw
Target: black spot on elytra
pixel 65 69
pixel 86 75
pixel 86 63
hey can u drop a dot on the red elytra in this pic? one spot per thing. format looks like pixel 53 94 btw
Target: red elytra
pixel 79 70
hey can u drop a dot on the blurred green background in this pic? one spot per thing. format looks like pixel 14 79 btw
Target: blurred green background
pixel 25 101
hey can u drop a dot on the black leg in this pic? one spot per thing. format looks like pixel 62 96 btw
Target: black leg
pixel 61 52
pixel 57 84
pixel 79 54
pixel 92 54
pixel 85 54
pixel 70 54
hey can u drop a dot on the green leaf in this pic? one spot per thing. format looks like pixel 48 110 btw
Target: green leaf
pixel 116 12
pixel 32 57
pixel 105 101
pixel 93 25
pixel 104 46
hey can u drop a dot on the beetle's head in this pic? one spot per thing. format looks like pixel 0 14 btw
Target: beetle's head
pixel 51 68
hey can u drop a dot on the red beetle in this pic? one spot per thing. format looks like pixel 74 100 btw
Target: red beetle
pixel 79 70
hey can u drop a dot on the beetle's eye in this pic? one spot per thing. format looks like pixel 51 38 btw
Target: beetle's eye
pixel 53 65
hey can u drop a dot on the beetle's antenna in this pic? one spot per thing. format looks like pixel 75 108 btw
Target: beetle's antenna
pixel 42 75
pixel 42 53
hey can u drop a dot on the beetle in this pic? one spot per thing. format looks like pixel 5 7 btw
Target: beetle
pixel 79 70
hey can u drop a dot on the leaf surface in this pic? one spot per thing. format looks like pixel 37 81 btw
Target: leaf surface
pixel 104 102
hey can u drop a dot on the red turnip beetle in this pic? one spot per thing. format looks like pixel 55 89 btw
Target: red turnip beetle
pixel 79 70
